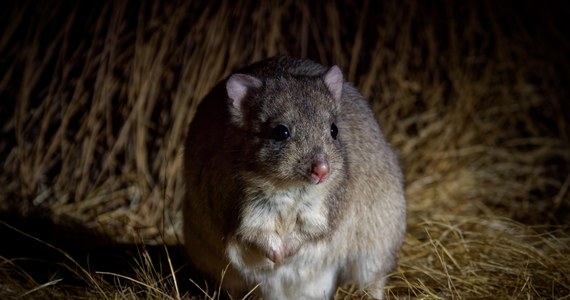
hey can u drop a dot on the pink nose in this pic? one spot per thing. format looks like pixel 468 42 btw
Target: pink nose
pixel 320 170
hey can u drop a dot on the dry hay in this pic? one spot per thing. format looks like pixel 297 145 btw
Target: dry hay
pixel 96 98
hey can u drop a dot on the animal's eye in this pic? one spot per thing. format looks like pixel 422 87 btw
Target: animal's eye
pixel 280 132
pixel 334 131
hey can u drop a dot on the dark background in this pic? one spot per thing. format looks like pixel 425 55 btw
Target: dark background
pixel 96 98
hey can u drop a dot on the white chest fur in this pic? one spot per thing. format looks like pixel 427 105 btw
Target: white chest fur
pixel 274 226
pixel 274 244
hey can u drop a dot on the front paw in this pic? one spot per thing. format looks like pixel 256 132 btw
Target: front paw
pixel 276 255
pixel 279 251
pixel 274 248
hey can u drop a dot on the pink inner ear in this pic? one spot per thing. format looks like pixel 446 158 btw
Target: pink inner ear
pixel 334 81
pixel 239 85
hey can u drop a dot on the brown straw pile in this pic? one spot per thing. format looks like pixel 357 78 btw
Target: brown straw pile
pixel 96 99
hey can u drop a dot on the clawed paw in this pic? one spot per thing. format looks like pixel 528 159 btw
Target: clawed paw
pixel 276 255
pixel 274 247
pixel 279 253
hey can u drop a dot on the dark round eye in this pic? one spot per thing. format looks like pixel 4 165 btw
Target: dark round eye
pixel 334 131
pixel 280 132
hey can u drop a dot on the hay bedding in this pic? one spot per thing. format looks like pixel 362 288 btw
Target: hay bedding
pixel 96 98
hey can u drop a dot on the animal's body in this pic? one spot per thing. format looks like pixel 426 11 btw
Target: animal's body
pixel 290 184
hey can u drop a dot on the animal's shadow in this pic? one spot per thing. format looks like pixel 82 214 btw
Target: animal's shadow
pixel 43 250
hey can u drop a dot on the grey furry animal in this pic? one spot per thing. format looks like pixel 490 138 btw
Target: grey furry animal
pixel 290 184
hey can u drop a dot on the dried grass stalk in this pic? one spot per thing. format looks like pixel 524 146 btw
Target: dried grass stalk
pixel 97 98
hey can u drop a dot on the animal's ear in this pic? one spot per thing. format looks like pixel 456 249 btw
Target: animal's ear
pixel 239 86
pixel 334 81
